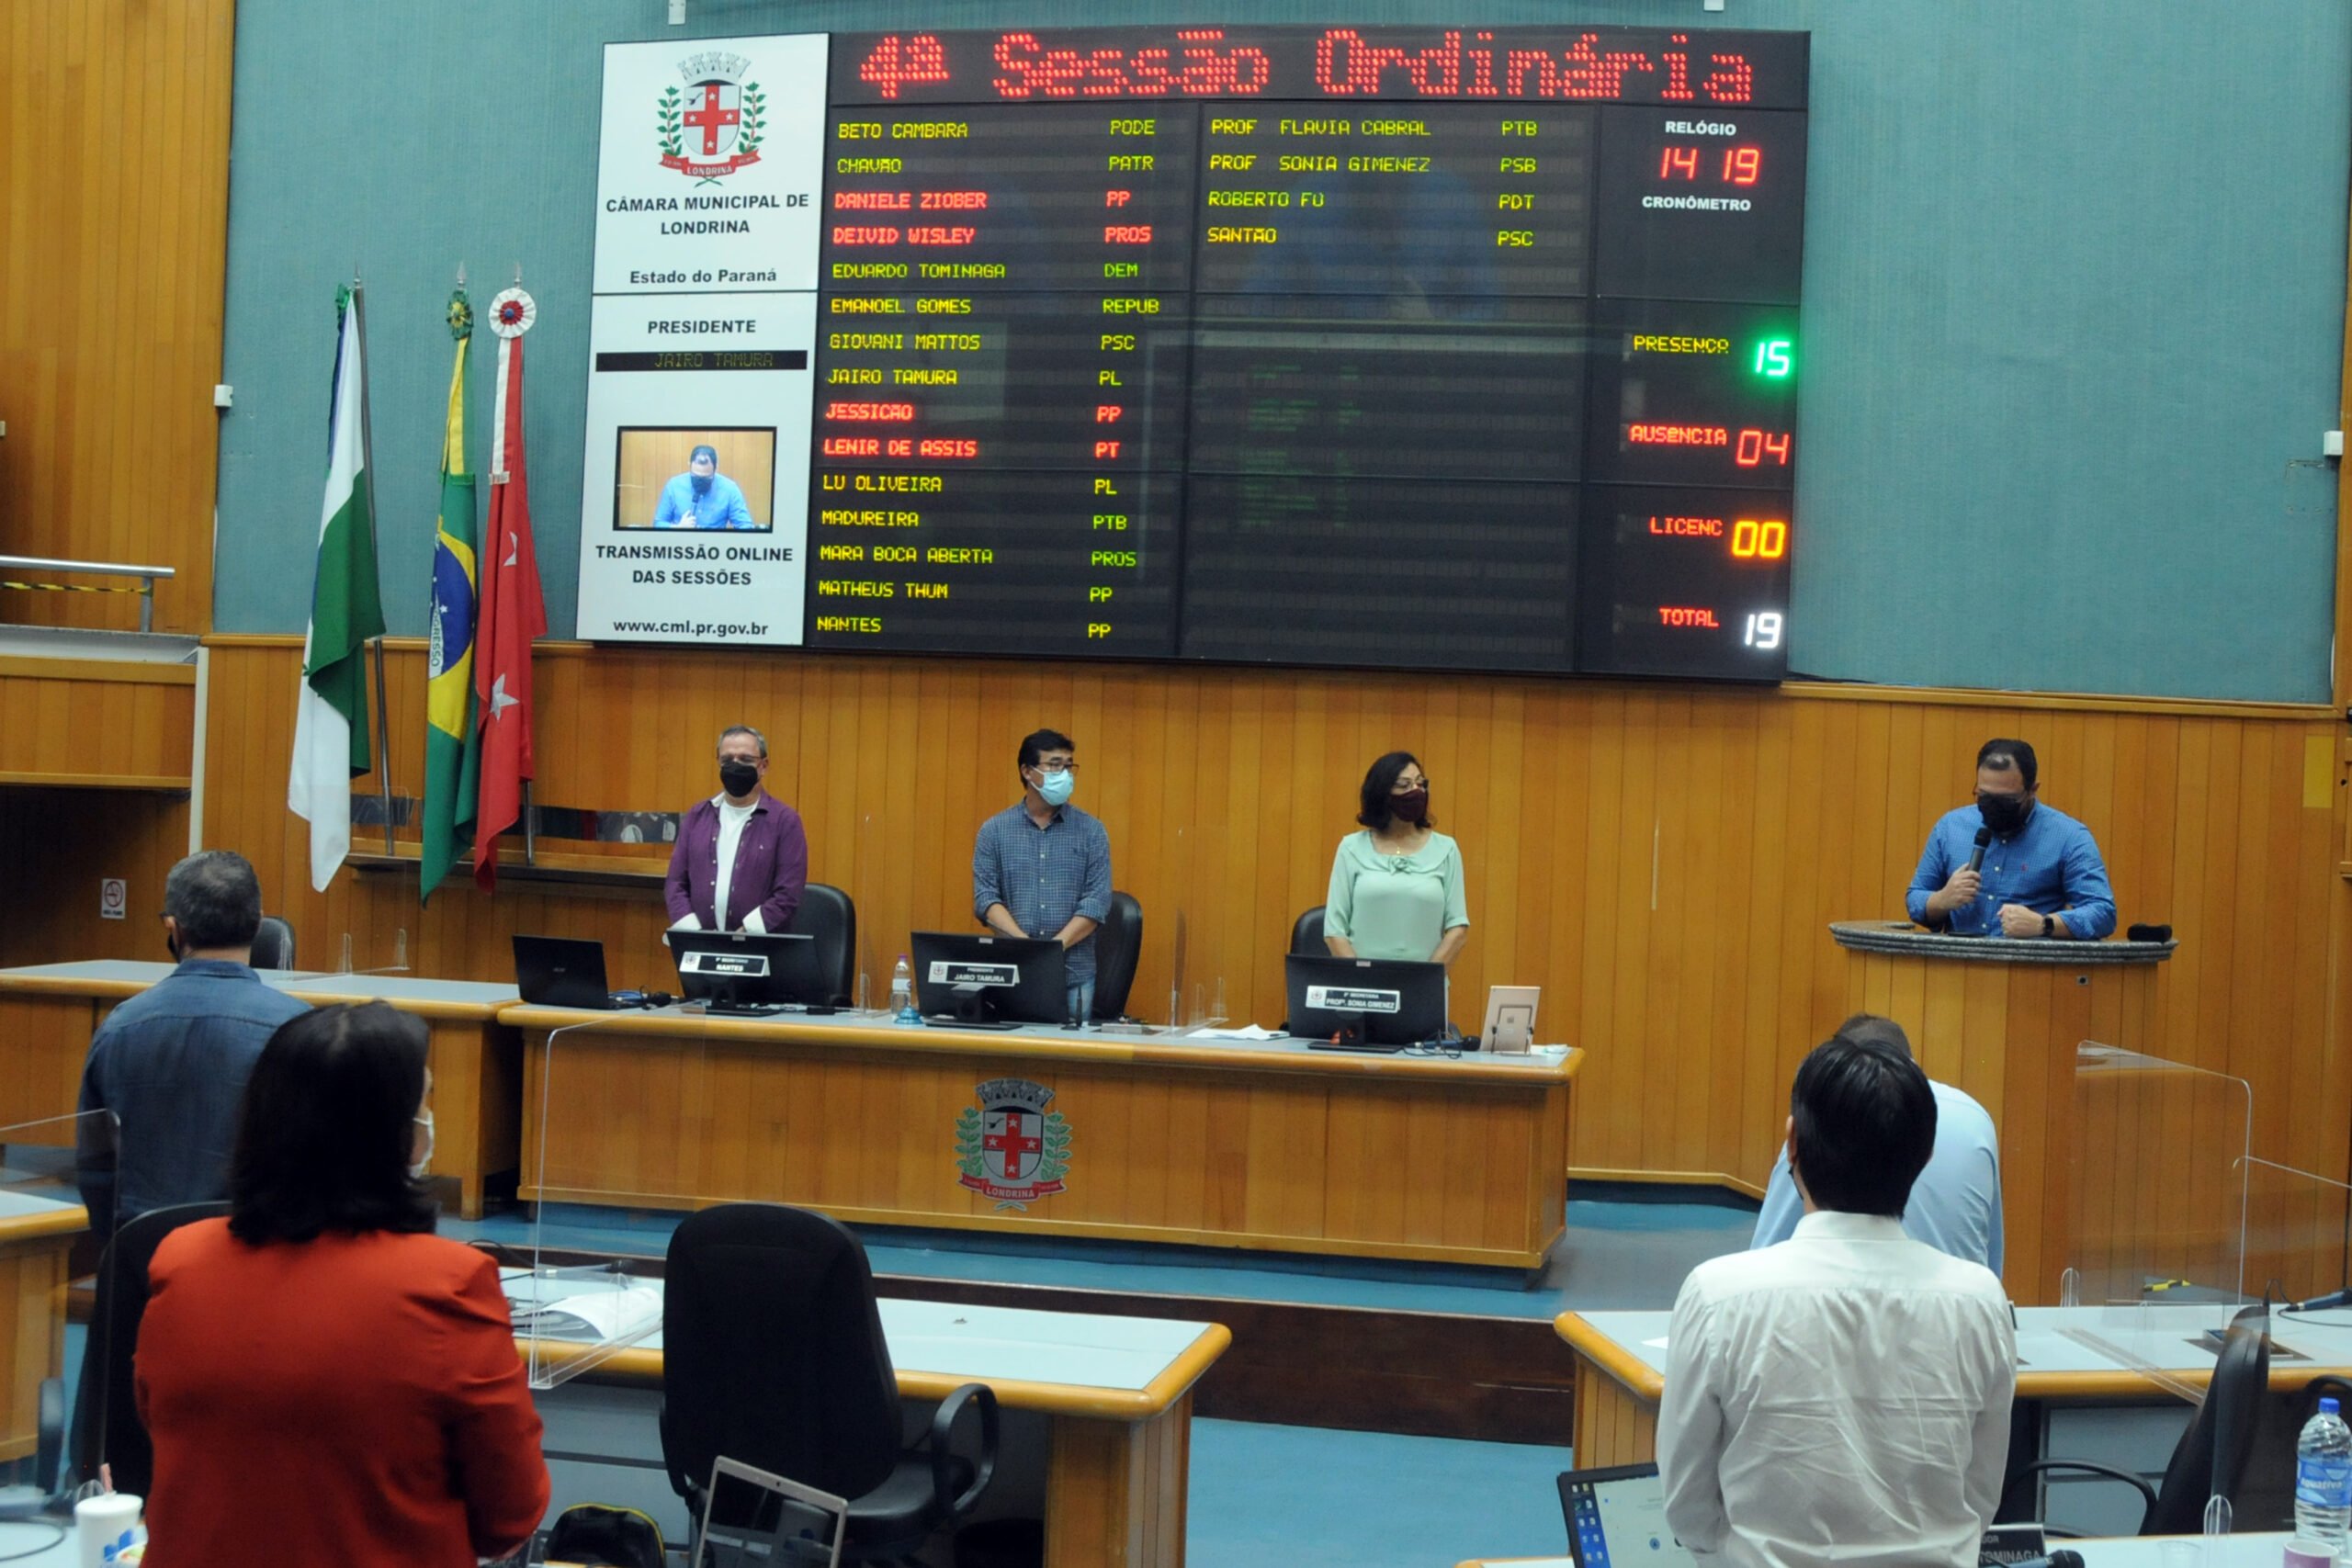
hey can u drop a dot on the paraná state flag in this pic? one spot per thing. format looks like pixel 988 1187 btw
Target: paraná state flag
pixel 451 753
pixel 513 612
pixel 331 722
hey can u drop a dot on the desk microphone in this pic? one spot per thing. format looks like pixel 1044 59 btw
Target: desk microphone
pixel 2321 1303
pixel 1977 860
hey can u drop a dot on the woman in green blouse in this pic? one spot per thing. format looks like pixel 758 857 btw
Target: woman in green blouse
pixel 1396 886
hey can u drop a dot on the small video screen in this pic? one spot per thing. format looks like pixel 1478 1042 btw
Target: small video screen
pixel 709 480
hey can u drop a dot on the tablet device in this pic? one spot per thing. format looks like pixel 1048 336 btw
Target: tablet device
pixel 1617 1516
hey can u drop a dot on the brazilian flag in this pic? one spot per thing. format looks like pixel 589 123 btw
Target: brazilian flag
pixel 452 758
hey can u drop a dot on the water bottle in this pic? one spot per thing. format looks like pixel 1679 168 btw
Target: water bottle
pixel 903 997
pixel 2323 1478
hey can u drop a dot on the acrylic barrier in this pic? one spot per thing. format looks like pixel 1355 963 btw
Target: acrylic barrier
pixel 2157 1182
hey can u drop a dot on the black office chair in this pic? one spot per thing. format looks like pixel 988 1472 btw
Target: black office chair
pixel 773 1355
pixel 274 944
pixel 107 1427
pixel 2210 1458
pixel 1118 945
pixel 827 914
pixel 1307 933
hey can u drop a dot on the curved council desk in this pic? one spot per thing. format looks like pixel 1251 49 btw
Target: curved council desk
pixel 1114 1395
pixel 2002 1020
pixel 1259 1144
pixel 49 1011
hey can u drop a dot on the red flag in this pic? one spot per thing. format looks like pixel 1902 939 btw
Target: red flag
pixel 512 610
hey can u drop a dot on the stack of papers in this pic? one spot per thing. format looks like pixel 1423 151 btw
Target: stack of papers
pixel 596 1315
pixel 1247 1032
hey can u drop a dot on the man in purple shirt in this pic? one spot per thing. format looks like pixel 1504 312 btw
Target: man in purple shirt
pixel 741 859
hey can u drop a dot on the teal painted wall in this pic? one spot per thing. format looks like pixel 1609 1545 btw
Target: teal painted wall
pixel 2074 279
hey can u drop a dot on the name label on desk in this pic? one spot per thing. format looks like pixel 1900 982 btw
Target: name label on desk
pixel 946 972
pixel 726 964
pixel 1343 998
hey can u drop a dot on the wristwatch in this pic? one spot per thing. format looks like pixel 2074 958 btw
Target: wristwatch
pixel 2048 926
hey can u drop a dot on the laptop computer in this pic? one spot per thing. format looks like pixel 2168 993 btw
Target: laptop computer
pixel 562 972
pixel 1617 1516
pixel 753 1520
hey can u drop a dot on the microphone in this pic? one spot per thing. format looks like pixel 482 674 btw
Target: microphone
pixel 2321 1303
pixel 1977 860
pixel 2061 1558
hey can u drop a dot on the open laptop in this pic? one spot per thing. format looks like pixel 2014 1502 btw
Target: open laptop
pixel 753 1520
pixel 1617 1516
pixel 562 972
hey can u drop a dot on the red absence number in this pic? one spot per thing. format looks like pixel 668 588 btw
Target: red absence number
pixel 1741 165
pixel 1755 447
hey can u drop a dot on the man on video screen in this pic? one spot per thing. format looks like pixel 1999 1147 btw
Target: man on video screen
pixel 702 497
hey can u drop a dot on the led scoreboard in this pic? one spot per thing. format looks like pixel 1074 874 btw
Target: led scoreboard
pixel 1380 347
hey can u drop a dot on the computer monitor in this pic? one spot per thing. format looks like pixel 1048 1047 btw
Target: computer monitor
pixel 1617 1516
pixel 991 981
pixel 748 971
pixel 1383 1002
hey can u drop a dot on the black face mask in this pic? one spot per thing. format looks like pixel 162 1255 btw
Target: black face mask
pixel 171 947
pixel 1412 806
pixel 2003 812
pixel 737 777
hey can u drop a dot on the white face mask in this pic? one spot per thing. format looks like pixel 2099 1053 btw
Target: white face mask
pixel 423 1161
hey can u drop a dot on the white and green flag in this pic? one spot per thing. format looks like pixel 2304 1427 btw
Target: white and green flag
pixel 330 725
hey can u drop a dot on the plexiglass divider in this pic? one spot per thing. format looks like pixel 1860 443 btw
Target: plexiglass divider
pixel 583 1300
pixel 59 1176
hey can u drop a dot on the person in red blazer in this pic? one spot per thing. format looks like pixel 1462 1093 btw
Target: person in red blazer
pixel 325 1381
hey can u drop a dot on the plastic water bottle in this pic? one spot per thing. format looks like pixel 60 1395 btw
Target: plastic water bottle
pixel 2323 1478
pixel 903 999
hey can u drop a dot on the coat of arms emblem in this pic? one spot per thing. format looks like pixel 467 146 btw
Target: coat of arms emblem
pixel 1008 1147
pixel 712 129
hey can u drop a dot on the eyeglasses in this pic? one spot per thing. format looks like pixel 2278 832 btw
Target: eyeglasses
pixel 1407 787
pixel 1057 766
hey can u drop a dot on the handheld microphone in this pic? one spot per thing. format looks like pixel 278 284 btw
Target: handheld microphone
pixel 2321 1303
pixel 1976 859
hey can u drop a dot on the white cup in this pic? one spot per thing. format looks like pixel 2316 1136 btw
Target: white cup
pixel 107 1524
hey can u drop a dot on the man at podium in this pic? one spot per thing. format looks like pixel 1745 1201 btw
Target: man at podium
pixel 2009 865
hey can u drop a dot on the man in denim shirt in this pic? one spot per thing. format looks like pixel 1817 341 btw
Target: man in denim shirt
pixel 1043 868
pixel 2042 877
pixel 170 1062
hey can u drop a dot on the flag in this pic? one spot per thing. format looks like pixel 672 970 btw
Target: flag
pixel 452 755
pixel 512 610
pixel 331 723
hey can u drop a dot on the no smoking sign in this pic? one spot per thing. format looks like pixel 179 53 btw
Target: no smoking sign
pixel 114 897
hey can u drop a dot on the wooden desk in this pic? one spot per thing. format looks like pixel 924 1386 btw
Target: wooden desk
pixel 1621 1366
pixel 1116 1393
pixel 36 1238
pixel 2255 1551
pixel 1225 1144
pixel 49 1011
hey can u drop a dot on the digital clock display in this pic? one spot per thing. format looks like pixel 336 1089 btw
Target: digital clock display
pixel 1422 347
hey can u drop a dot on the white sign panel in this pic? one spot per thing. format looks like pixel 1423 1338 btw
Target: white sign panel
pixel 695 484
pixel 711 167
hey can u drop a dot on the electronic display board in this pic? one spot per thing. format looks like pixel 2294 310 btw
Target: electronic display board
pixel 1380 347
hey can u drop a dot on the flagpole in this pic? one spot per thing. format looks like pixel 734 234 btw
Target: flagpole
pixel 367 477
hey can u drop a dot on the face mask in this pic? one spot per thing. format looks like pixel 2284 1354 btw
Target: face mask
pixel 1413 805
pixel 416 1171
pixel 1056 787
pixel 2003 812
pixel 171 947
pixel 737 777
pixel 702 482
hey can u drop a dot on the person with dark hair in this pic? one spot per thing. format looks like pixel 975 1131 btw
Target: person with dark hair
pixel 170 1062
pixel 702 497
pixel 2040 876
pixel 1042 868
pixel 1843 1396
pixel 741 859
pixel 321 1346
pixel 1955 1205
pixel 1397 887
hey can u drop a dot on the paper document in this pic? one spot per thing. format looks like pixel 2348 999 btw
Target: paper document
pixel 1247 1032
pixel 597 1315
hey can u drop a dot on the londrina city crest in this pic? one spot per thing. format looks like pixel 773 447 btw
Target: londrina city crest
pixel 1008 1147
pixel 712 129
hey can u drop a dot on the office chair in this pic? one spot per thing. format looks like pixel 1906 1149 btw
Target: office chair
pixel 2210 1458
pixel 827 913
pixel 1307 933
pixel 773 1355
pixel 1118 944
pixel 107 1427
pixel 274 944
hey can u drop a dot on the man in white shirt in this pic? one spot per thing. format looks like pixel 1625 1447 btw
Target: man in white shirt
pixel 1844 1396
pixel 1955 1205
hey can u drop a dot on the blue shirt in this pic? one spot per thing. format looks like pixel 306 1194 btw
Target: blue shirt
pixel 171 1063
pixel 720 506
pixel 1044 876
pixel 1955 1205
pixel 2051 866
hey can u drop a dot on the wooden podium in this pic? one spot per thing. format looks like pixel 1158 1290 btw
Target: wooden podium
pixel 2003 1021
